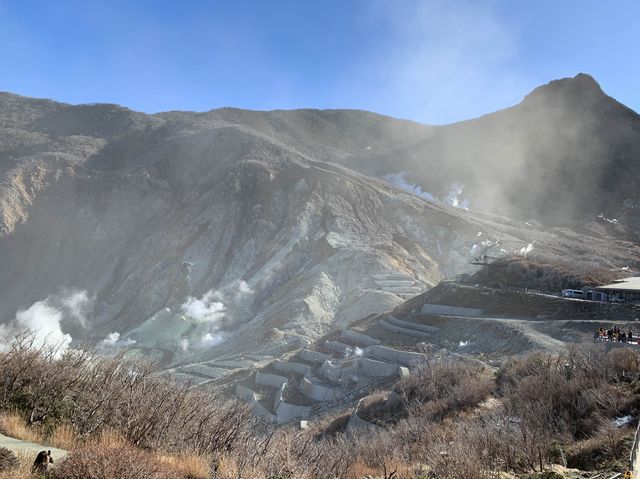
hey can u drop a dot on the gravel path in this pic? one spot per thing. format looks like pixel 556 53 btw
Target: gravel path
pixel 18 446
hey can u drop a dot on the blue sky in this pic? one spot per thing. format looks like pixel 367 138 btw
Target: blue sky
pixel 433 61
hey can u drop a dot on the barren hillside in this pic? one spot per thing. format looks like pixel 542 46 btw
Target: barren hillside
pixel 202 234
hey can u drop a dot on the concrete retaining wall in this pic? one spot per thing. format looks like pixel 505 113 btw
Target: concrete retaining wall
pixel 202 370
pixel 291 367
pixel 331 371
pixel 442 309
pixel 372 368
pixel 262 412
pixel 410 325
pixel 231 364
pixel 407 332
pixel 313 356
pixel 395 356
pixel 337 347
pixel 246 394
pixel 358 339
pixel 290 412
pixel 278 398
pixel 319 392
pixel 270 380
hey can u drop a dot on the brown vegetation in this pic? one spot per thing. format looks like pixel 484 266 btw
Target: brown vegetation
pixel 544 274
pixel 123 421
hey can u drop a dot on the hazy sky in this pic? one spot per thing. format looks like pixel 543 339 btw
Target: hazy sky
pixel 432 61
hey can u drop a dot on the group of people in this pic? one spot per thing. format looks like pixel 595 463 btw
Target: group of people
pixel 615 334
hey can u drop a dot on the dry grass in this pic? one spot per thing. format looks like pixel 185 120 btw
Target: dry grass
pixel 110 439
pixel 189 466
pixel 13 424
pixel 63 437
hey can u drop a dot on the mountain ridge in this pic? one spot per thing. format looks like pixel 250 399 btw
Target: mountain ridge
pixel 274 225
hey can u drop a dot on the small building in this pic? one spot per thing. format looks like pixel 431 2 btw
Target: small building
pixel 592 294
pixel 625 290
pixel 463 278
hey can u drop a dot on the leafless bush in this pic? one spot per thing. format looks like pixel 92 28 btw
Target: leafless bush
pixel 445 387
pixel 95 461
pixel 96 393
pixel 545 274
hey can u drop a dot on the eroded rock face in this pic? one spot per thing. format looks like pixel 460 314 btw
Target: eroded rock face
pixel 228 231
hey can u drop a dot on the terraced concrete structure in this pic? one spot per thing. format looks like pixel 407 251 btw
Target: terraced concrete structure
pixel 313 381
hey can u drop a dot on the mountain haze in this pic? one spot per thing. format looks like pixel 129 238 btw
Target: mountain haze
pixel 566 153
pixel 232 230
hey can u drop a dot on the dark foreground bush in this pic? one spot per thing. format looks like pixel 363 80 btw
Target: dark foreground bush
pixel 97 461
pixel 8 460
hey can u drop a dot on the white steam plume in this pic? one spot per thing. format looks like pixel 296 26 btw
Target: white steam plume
pixel 113 342
pixel 43 321
pixel 209 340
pixel 78 304
pixel 208 309
pixel 452 198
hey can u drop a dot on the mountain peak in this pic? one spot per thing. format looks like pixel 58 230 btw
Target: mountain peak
pixel 580 87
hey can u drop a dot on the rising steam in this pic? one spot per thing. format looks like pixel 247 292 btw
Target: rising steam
pixel 452 198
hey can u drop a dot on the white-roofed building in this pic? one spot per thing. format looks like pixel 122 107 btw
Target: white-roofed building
pixel 624 290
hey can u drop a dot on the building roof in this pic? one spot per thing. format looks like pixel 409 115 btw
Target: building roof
pixel 625 284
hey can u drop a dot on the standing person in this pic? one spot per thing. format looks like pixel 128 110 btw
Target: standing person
pixel 41 464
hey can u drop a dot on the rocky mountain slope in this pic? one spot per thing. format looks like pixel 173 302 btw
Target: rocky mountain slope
pixel 200 234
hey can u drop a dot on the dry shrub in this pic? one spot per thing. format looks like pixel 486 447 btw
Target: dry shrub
pixel 94 393
pixel 623 362
pixel 544 274
pixel 608 444
pixel 8 460
pixel 22 470
pixel 446 387
pixel 95 461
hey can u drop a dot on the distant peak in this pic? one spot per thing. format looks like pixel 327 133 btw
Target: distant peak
pixel 580 86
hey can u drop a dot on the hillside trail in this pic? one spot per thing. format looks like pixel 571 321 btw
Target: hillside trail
pixel 30 448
